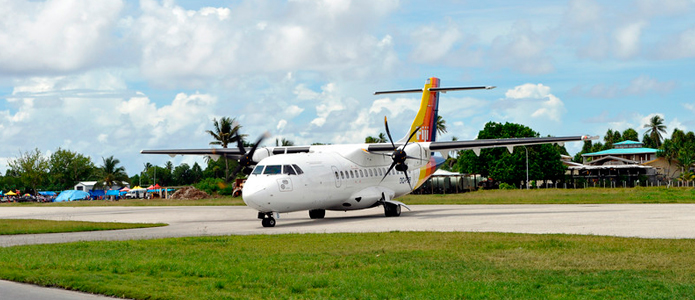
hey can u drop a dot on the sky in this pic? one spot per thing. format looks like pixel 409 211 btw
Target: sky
pixel 113 77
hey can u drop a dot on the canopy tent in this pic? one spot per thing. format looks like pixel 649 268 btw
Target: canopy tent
pixel 10 193
pixel 125 189
pixel 71 195
pixel 137 187
pixel 113 193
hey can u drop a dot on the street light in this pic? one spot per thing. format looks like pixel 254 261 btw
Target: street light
pixel 525 148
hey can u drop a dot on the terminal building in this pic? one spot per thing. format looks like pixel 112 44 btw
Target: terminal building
pixel 627 164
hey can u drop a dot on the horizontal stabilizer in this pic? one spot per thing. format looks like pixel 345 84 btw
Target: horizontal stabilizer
pixel 437 89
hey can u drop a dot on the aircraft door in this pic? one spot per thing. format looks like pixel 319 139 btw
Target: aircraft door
pixel 336 176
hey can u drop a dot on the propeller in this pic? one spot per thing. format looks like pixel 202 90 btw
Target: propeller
pixel 399 156
pixel 246 161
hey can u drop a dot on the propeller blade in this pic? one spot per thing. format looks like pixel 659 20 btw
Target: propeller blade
pixel 407 178
pixel 240 144
pixel 236 171
pixel 411 136
pixel 393 164
pixel 386 124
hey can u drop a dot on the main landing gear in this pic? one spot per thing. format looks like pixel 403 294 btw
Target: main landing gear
pixel 317 213
pixel 267 219
pixel 392 210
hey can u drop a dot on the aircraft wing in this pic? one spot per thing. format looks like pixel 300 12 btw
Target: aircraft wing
pixel 476 145
pixel 490 143
pixel 227 152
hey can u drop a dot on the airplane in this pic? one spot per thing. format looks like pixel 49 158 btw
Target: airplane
pixel 351 177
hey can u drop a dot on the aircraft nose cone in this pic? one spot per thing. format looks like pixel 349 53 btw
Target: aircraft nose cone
pixel 255 195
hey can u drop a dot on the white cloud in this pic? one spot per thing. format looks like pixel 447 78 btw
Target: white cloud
pixel 522 49
pixel 627 39
pixel 56 36
pixel 638 86
pixel 678 46
pixel 180 46
pixel 531 105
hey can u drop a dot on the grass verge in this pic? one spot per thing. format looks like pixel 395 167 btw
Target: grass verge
pixel 636 195
pixel 32 226
pixel 372 265
pixel 538 196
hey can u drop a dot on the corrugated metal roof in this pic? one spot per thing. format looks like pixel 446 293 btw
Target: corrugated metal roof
pixel 627 143
pixel 623 151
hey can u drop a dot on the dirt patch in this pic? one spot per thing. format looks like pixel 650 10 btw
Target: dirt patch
pixel 189 193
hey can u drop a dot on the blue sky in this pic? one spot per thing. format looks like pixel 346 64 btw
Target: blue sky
pixel 114 77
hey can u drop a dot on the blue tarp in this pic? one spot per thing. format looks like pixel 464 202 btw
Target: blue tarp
pixel 48 193
pixel 96 193
pixel 71 195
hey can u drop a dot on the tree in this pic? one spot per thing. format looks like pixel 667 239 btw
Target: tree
pixel 655 128
pixel 111 174
pixel 67 168
pixel 225 132
pixel 182 175
pixel 283 142
pixel 441 125
pixel 630 135
pixel 381 138
pixel 669 152
pixel 31 167
pixel 544 160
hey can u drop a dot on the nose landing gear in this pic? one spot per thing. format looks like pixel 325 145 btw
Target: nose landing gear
pixel 267 219
pixel 268 222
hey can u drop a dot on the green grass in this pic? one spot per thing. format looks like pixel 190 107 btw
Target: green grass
pixel 31 226
pixel 538 196
pixel 137 202
pixel 365 266
pixel 562 196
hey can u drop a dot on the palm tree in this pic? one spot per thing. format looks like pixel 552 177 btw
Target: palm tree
pixel 441 125
pixel 655 128
pixel 284 142
pixel 111 174
pixel 225 132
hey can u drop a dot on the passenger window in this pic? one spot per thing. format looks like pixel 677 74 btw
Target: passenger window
pixel 342 176
pixel 257 170
pixel 272 170
pixel 287 169
pixel 352 175
pixel 336 175
pixel 370 173
pixel 299 170
pixel 380 172
pixel 361 174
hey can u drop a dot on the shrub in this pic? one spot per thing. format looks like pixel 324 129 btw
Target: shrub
pixel 506 186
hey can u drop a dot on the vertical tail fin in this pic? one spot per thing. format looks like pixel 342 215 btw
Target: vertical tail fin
pixel 426 117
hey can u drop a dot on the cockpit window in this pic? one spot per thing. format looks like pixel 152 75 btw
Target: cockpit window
pixel 272 170
pixel 258 170
pixel 287 169
pixel 299 171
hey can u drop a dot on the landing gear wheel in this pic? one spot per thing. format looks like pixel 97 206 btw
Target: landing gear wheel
pixel 268 222
pixel 317 213
pixel 392 210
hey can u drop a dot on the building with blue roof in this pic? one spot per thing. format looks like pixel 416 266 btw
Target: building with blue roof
pixel 627 152
pixel 627 164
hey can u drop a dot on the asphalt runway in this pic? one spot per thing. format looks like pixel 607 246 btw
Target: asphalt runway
pixel 663 221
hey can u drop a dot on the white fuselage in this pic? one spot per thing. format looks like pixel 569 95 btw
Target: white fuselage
pixel 329 177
